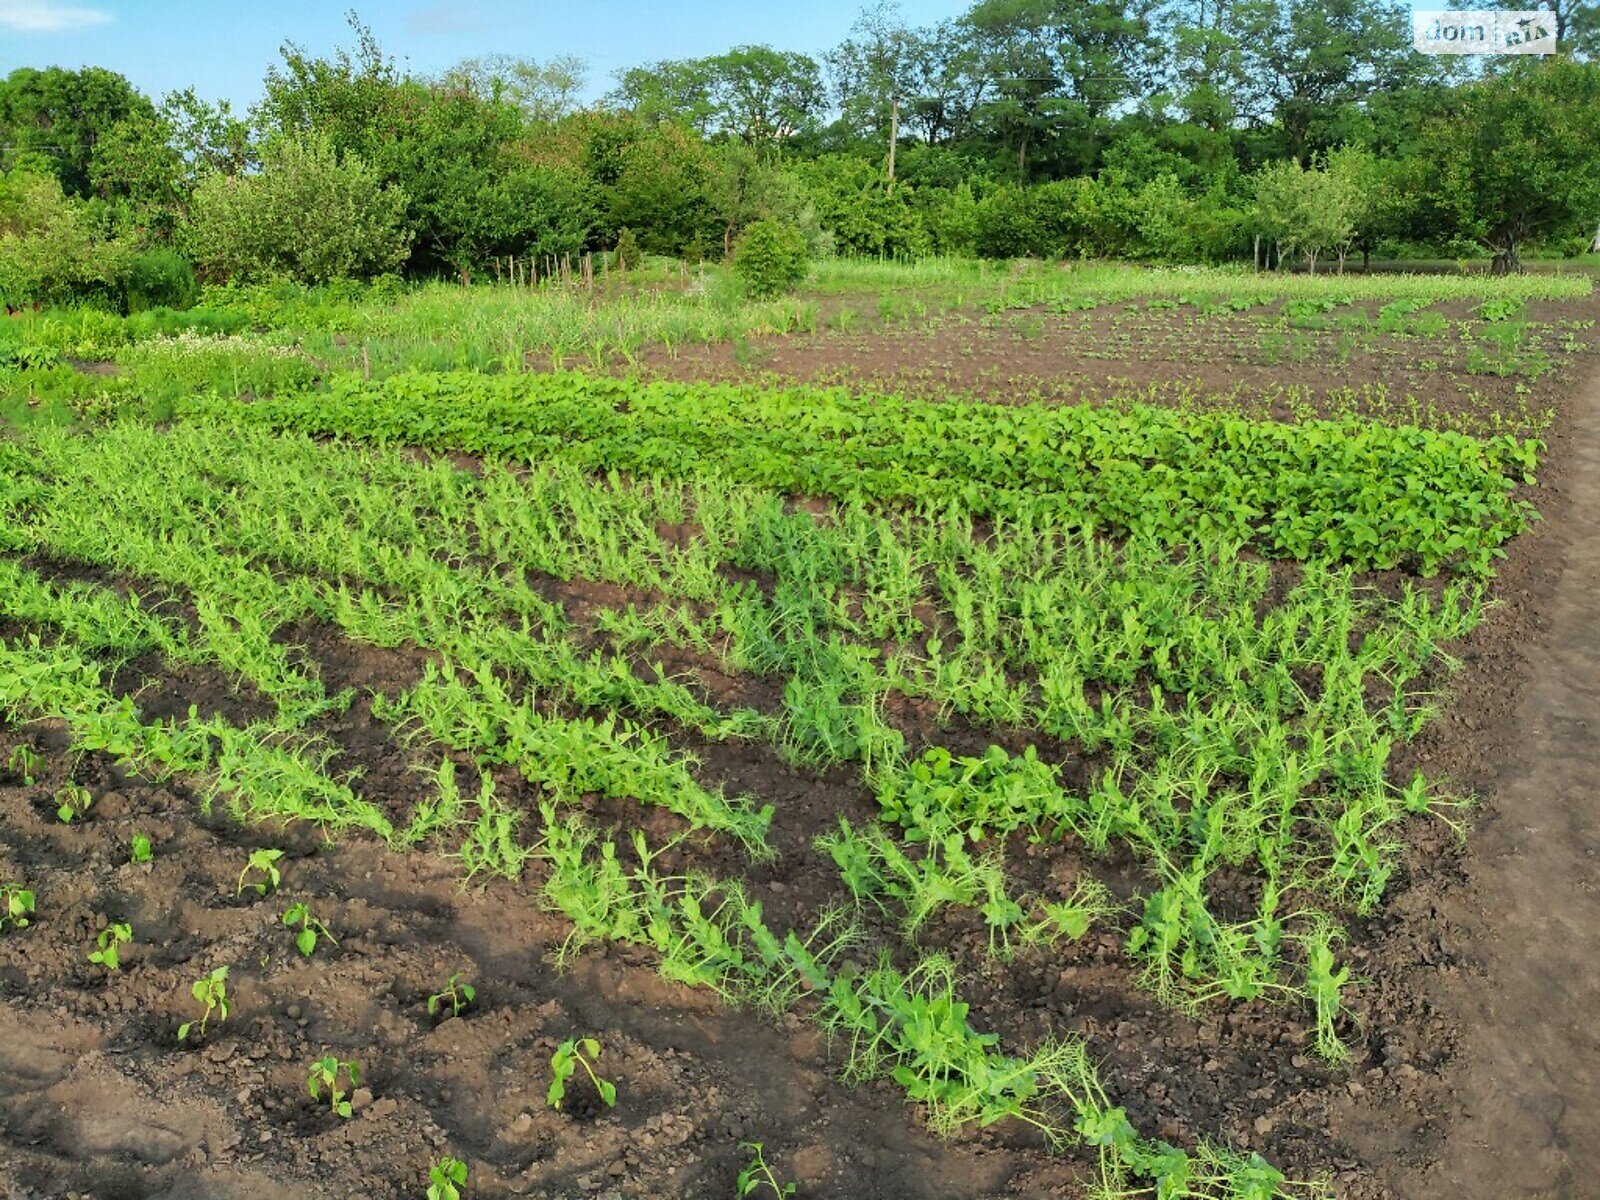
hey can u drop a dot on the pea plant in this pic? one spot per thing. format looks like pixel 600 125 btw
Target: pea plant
pixel 446 1178
pixel 16 906
pixel 108 952
pixel 456 994
pixel 265 864
pixel 73 803
pixel 211 991
pixel 758 1178
pixel 140 850
pixel 569 1056
pixel 311 929
pixel 324 1077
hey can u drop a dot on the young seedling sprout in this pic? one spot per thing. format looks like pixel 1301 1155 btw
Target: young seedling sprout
pixel 110 943
pixel 566 1060
pixel 72 803
pixel 310 928
pixel 446 1178
pixel 266 863
pixel 758 1178
pixel 212 991
pixel 23 763
pixel 457 995
pixel 16 906
pixel 325 1075
pixel 140 851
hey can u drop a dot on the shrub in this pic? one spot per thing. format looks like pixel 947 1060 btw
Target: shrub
pixel 161 278
pixel 310 215
pixel 628 254
pixel 770 259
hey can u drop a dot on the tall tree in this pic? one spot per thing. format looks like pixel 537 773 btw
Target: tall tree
pixel 1064 64
pixel 57 117
pixel 1516 160
pixel 542 92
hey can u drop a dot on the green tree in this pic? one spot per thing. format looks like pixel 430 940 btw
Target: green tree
pixel 309 215
pixel 59 117
pixel 541 92
pixel 1518 160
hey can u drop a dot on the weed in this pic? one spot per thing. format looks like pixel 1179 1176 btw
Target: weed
pixel 212 991
pixel 571 1054
pixel 140 850
pixel 324 1076
pixel 265 863
pixel 109 943
pixel 311 929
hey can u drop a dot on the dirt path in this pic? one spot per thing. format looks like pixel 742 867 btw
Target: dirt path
pixel 1529 1083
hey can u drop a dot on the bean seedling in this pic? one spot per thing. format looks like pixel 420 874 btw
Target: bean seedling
pixel 140 851
pixel 446 1178
pixel 758 1176
pixel 565 1061
pixel 311 929
pixel 325 1074
pixel 72 803
pixel 266 862
pixel 23 763
pixel 212 991
pixel 16 906
pixel 458 995
pixel 109 943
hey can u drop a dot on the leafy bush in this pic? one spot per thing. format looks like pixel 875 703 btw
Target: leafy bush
pixel 310 215
pixel 770 259
pixel 52 250
pixel 628 254
pixel 161 278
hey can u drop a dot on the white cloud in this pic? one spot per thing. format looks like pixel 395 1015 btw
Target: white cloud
pixel 47 16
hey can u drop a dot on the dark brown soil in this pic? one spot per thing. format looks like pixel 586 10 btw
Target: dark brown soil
pixel 1473 1067
pixel 1251 361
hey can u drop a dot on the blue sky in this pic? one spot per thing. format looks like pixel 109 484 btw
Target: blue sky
pixel 224 49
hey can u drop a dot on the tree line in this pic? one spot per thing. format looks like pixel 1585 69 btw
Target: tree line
pixel 1273 131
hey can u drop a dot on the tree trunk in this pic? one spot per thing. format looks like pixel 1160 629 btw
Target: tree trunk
pixel 1258 253
pixel 1596 247
pixel 1342 252
pixel 894 136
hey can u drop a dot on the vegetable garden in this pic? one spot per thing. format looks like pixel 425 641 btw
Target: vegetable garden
pixel 938 748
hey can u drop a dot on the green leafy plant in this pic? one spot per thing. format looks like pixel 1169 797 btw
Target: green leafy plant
pixel 324 1077
pixel 212 991
pixel 757 1177
pixel 311 929
pixel 140 850
pixel 446 1178
pixel 109 943
pixel 16 906
pixel 569 1056
pixel 265 863
pixel 23 763
pixel 457 995
pixel 72 803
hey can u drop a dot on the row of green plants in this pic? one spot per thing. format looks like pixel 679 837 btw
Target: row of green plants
pixel 1344 490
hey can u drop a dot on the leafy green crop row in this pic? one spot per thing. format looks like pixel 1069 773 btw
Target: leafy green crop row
pixel 1347 490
